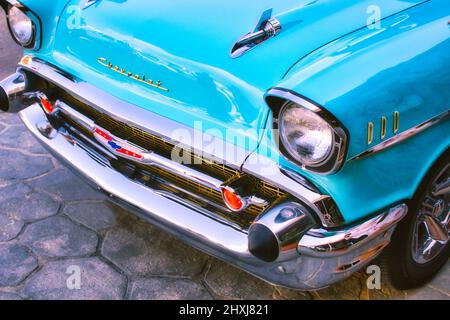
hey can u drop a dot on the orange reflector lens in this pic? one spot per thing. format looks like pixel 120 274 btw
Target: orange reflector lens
pixel 233 201
pixel 26 60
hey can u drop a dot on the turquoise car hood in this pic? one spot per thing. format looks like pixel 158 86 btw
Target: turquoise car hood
pixel 186 45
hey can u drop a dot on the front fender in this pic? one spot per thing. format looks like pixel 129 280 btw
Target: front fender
pixel 402 67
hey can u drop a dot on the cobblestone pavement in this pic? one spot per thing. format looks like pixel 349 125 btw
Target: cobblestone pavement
pixel 50 221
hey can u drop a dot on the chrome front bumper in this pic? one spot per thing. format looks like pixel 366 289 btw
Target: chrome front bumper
pixel 322 257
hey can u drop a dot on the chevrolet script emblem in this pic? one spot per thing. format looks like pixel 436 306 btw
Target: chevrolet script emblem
pixel 154 84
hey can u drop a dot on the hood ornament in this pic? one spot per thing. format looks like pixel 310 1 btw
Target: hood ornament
pixel 89 3
pixel 266 28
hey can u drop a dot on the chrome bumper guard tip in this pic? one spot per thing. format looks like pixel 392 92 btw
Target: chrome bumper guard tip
pixel 322 257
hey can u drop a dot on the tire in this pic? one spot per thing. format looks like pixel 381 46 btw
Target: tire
pixel 409 267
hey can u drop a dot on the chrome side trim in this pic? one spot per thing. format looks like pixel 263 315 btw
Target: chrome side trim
pixel 337 158
pixel 403 136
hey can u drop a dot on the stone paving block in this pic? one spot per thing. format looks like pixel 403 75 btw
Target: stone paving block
pixel 10 225
pixel 25 203
pixel 17 166
pixel 228 282
pixel 386 292
pixel 10 52
pixel 97 281
pixel 16 263
pixel 59 237
pixel 20 138
pixel 288 294
pixel 95 215
pixel 442 280
pixel 66 185
pixel 349 289
pixel 167 289
pixel 11 119
pixel 426 293
pixel 8 296
pixel 140 249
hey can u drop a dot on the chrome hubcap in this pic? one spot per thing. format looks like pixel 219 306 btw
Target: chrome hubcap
pixel 432 226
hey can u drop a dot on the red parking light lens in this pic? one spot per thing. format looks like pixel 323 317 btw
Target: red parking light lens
pixel 47 105
pixel 233 201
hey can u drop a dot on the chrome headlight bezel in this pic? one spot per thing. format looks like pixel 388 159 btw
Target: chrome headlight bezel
pixel 33 42
pixel 277 98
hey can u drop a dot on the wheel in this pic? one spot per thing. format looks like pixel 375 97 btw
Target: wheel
pixel 420 245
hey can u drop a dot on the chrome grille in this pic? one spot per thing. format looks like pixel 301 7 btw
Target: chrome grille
pixel 164 148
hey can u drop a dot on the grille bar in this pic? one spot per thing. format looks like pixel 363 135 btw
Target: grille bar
pixel 177 181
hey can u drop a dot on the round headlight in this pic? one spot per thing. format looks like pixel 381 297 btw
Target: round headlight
pixel 21 26
pixel 306 136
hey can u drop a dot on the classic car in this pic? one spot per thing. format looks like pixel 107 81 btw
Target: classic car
pixel 297 140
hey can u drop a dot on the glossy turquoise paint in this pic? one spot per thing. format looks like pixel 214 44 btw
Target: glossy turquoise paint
pixel 359 77
pixel 404 67
pixel 186 45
